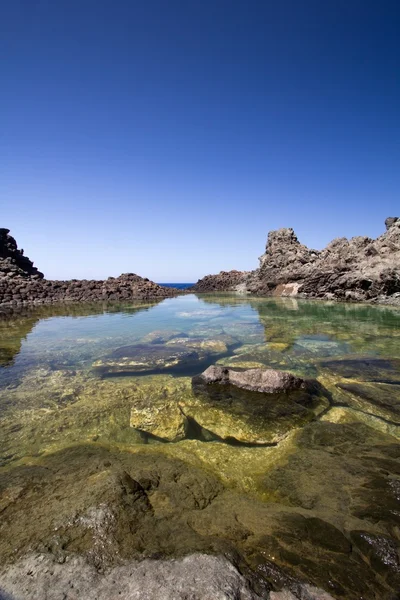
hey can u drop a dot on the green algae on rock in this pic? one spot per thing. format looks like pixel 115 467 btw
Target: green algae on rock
pixel 379 370
pixel 380 399
pixel 111 506
pixel 240 415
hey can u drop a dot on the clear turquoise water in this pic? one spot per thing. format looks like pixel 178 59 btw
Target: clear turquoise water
pixel 75 337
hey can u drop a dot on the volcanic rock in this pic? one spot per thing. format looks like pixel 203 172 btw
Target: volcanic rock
pixel 390 220
pixel 22 284
pixel 268 381
pixel 224 281
pixel 360 269
pixel 12 260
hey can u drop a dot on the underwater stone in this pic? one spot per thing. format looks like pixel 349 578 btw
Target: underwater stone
pixel 142 357
pixel 366 369
pixel 381 399
pixel 202 345
pixel 161 417
pixel 160 336
pixel 241 414
pixel 381 552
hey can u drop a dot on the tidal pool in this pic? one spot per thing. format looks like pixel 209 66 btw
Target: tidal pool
pixel 107 450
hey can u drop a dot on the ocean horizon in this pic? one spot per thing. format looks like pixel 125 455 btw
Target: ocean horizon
pixel 179 286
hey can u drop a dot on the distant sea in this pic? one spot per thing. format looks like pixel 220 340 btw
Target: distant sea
pixel 180 286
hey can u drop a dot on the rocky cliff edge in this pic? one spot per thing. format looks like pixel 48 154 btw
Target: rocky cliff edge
pixel 360 269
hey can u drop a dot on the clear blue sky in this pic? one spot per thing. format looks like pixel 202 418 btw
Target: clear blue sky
pixel 168 137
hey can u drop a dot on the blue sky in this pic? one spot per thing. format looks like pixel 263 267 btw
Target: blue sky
pixel 168 137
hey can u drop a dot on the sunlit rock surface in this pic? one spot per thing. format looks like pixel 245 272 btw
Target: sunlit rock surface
pixel 359 269
pixel 265 381
pixel 197 576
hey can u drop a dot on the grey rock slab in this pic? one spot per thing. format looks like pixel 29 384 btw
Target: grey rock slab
pixel 256 380
pixel 194 577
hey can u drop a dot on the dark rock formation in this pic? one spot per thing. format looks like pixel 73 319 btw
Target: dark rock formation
pixel 389 221
pixel 224 281
pixel 22 283
pixel 359 269
pixel 13 263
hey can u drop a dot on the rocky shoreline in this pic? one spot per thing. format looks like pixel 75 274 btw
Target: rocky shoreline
pixel 357 270
pixel 22 284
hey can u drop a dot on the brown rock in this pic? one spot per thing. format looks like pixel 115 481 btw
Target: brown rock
pixel 360 269
pixel 21 282
pixel 267 381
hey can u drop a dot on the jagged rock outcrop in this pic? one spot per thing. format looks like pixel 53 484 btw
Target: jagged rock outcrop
pixel 224 281
pixel 360 269
pixel 22 283
pixel 13 263
pixel 389 221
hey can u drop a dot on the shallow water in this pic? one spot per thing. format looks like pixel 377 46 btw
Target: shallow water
pixel 117 379
pixel 296 334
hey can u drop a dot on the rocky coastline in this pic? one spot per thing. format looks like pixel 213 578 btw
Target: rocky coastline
pixel 22 284
pixel 357 270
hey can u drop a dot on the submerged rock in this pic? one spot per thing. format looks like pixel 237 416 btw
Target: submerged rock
pixel 142 357
pixel 163 419
pixel 157 412
pixel 174 355
pixel 160 336
pixel 258 406
pixel 355 414
pixel 366 369
pixel 210 346
pixel 110 508
pixel 319 346
pixel 379 399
